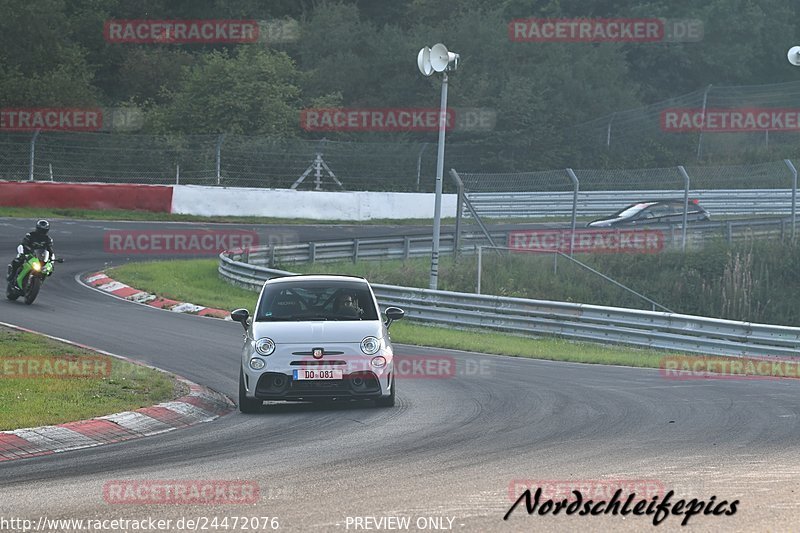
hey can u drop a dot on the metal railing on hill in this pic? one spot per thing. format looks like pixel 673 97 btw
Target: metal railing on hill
pixel 670 331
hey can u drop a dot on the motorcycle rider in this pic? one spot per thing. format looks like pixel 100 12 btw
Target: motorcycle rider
pixel 36 239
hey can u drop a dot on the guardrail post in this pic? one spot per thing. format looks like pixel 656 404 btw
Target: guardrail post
pixel 480 253
pixel 576 186
pixel 272 256
pixel 355 250
pixel 685 204
pixel 729 232
pixel 33 154
pixel 794 197
pixel 312 252
pixel 406 247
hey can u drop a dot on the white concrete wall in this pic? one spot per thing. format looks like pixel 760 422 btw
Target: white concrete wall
pixel 315 205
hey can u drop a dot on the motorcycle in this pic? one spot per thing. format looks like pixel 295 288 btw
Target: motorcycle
pixel 38 266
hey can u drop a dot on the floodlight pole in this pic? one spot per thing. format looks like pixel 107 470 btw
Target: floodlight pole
pixel 437 206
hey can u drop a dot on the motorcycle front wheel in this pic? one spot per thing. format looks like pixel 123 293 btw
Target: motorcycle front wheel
pixel 34 283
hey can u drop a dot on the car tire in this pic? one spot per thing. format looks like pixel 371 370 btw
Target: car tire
pixel 247 405
pixel 387 401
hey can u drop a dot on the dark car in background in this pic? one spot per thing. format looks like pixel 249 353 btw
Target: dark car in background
pixel 652 212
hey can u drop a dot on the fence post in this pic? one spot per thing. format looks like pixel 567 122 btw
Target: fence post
pixel 576 186
pixel 794 195
pixel 219 155
pixel 685 204
pixel 177 174
pixel 700 138
pixel 459 205
pixel 419 162
pixel 33 152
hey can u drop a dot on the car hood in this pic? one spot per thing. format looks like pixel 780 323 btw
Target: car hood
pixel 318 331
pixel 604 222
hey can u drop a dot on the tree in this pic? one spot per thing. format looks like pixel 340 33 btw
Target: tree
pixel 254 91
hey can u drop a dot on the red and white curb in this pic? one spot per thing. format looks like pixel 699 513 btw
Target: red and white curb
pixel 200 405
pixel 100 281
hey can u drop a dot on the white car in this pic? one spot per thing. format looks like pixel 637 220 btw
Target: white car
pixel 316 337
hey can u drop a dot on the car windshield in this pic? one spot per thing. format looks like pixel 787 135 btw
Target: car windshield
pixel 631 210
pixel 316 300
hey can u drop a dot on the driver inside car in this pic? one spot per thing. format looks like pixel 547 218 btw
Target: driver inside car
pixel 347 305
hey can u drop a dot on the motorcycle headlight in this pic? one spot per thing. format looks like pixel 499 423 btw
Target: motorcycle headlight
pixel 265 346
pixel 370 345
pixel 36 266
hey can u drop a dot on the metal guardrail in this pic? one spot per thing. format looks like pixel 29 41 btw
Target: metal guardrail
pixel 405 247
pixel 753 202
pixel 594 323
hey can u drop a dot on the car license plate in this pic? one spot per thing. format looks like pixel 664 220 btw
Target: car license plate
pixel 316 373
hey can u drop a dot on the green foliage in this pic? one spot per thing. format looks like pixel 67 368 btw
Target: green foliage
pixel 251 91
pixel 361 53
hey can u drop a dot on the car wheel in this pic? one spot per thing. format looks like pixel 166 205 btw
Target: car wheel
pixel 247 405
pixel 387 401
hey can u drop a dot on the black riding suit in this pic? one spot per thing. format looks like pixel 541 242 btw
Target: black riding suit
pixel 35 240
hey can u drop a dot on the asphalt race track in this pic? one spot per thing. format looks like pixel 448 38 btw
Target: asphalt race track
pixel 449 451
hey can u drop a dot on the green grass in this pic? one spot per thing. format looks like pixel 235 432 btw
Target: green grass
pixel 37 401
pixel 198 282
pixel 195 281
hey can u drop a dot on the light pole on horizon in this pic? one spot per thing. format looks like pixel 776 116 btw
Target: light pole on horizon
pixel 430 60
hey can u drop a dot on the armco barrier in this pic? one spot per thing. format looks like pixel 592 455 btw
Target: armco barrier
pixel 750 202
pixel 671 331
pixel 156 198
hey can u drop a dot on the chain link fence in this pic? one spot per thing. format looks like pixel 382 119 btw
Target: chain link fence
pixel 226 160
pixel 644 136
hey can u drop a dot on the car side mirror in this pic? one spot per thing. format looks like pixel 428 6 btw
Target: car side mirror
pixel 242 316
pixel 392 314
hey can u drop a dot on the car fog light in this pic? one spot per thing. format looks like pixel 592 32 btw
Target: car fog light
pixel 379 362
pixel 257 364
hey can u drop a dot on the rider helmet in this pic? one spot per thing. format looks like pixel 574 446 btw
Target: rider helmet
pixel 43 226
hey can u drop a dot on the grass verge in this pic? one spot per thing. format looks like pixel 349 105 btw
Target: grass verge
pixel 198 282
pixel 31 396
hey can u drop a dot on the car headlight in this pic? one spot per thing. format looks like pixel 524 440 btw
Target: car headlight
pixel 379 362
pixel 256 363
pixel 370 345
pixel 265 346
